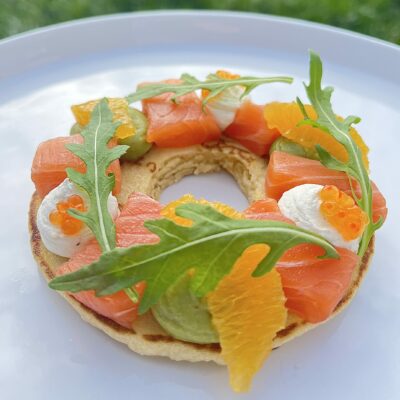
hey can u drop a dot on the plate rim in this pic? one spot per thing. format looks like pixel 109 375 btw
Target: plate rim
pixel 203 13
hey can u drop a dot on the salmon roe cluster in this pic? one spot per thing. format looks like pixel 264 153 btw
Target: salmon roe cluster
pixel 341 211
pixel 67 223
pixel 223 75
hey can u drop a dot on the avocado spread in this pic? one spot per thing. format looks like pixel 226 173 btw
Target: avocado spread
pixel 185 316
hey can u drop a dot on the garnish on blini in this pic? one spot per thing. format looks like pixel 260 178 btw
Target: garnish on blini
pixel 182 248
pixel 237 250
pixel 95 181
pixel 215 86
pixel 285 117
pixel 238 301
pixel 229 258
pixel 340 129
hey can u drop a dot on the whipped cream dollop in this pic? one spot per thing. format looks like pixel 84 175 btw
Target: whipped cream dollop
pixel 302 205
pixel 52 236
pixel 223 107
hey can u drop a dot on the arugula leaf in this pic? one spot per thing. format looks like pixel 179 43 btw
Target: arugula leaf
pixel 320 98
pixel 215 85
pixel 95 181
pixel 211 246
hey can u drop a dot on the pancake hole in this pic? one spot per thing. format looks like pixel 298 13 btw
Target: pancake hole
pixel 217 186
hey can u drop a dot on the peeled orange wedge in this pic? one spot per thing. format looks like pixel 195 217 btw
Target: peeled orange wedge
pixel 169 210
pixel 118 106
pixel 247 312
pixel 285 117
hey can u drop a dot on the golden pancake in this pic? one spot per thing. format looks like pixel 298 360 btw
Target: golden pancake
pixel 157 170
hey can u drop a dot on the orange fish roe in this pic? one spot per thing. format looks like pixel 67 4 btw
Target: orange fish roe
pixel 67 223
pixel 223 75
pixel 341 211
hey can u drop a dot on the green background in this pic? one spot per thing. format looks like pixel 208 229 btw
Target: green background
pixel 380 18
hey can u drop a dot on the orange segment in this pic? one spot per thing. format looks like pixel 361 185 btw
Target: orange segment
pixel 169 210
pixel 285 117
pixel 120 110
pixel 247 313
pixel 340 210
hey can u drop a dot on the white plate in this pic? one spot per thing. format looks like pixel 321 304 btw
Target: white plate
pixel 46 351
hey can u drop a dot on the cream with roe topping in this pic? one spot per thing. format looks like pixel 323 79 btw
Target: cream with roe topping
pixel 223 107
pixel 326 211
pixel 211 244
pixel 60 232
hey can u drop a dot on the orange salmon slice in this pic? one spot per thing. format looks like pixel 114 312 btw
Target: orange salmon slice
pixel 51 160
pixel 313 287
pixel 285 171
pixel 130 230
pixel 178 124
pixel 250 129
pixel 265 209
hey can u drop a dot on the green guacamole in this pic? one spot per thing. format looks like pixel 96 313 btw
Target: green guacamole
pixel 184 316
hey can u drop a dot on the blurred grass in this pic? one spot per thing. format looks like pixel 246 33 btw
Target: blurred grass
pixel 380 18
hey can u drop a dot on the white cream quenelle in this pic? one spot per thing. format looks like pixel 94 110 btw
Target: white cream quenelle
pixel 51 234
pixel 302 205
pixel 224 106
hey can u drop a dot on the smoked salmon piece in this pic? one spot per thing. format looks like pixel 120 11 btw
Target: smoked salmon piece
pixel 285 171
pixel 51 160
pixel 265 209
pixel 130 230
pixel 180 124
pixel 250 129
pixel 313 287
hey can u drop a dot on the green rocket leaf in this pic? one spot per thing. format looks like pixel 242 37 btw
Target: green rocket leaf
pixel 95 181
pixel 210 246
pixel 213 84
pixel 320 98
